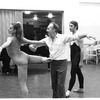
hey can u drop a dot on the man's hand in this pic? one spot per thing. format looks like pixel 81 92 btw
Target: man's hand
pixel 46 60
pixel 33 47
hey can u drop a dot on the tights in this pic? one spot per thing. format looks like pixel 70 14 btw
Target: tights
pixel 75 69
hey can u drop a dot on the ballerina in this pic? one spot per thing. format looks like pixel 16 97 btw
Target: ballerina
pixel 20 58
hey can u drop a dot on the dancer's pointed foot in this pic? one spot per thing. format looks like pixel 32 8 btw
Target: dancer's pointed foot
pixel 79 90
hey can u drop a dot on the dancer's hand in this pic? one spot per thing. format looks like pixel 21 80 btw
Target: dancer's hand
pixel 89 37
pixel 33 48
pixel 46 60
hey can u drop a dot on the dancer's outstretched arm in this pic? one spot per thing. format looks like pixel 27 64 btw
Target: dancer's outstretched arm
pixel 91 37
pixel 34 42
pixel 7 43
pixel 69 38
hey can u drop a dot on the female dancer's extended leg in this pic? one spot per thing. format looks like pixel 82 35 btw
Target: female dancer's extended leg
pixel 22 75
pixel 38 59
pixel 22 64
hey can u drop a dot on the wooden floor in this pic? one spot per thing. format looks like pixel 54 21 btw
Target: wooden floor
pixel 39 84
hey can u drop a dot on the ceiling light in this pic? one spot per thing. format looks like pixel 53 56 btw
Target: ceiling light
pixel 35 17
pixel 50 15
pixel 27 12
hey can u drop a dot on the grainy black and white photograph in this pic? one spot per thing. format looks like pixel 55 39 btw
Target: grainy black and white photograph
pixel 50 49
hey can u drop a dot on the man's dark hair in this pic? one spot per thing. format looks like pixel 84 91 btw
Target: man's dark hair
pixel 75 24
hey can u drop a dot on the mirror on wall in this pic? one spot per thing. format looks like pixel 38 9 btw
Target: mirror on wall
pixel 35 22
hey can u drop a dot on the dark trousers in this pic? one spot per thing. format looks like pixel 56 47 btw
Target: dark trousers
pixel 76 70
pixel 4 57
pixel 6 65
pixel 58 77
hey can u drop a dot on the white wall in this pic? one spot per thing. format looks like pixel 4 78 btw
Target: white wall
pixel 90 19
pixel 87 15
